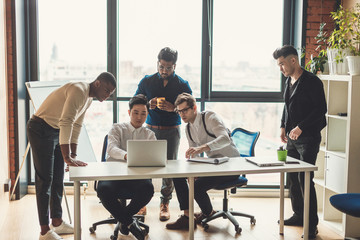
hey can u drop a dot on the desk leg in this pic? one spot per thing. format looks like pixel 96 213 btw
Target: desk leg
pixel 77 212
pixel 191 208
pixel 306 205
pixel 281 225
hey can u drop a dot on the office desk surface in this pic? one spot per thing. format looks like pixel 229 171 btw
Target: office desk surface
pixel 178 168
pixel 182 168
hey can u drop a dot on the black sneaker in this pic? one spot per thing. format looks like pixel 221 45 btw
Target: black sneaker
pixel 312 234
pixel 136 230
pixel 124 229
pixel 293 221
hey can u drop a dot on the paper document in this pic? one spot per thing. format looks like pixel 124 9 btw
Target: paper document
pixel 209 160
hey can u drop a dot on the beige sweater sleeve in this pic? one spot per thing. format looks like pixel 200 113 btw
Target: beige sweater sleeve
pixel 65 108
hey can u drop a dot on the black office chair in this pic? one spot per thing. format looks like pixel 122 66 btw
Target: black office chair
pixel 245 142
pixel 122 200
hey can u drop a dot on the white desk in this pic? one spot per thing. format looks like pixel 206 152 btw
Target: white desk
pixel 181 168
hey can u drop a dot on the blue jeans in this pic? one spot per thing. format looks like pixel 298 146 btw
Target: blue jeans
pixel 140 191
pixel 305 148
pixel 49 169
pixel 173 140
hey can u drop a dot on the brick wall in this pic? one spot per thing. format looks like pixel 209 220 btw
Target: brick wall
pixel 11 88
pixel 318 11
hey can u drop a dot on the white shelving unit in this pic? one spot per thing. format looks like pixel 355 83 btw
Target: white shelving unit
pixel 339 157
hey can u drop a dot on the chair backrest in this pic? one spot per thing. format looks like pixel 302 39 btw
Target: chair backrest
pixel 245 141
pixel 103 157
pixel 103 153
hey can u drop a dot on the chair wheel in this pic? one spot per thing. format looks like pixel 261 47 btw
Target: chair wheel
pixel 92 229
pixel 112 237
pixel 253 221
pixel 205 226
pixel 238 230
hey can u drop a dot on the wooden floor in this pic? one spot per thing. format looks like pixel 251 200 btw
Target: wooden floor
pixel 22 222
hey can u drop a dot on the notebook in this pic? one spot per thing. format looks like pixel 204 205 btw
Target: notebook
pixel 146 153
pixel 209 160
pixel 265 161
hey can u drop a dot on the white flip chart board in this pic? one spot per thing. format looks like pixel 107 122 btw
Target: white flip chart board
pixel 38 91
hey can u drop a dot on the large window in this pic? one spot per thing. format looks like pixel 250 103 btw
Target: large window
pixel 245 33
pixel 143 31
pixel 72 39
pixel 225 52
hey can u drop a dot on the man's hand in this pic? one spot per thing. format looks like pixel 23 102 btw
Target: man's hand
pixel 166 106
pixel 191 152
pixel 295 133
pixel 283 135
pixel 73 162
pixel 153 103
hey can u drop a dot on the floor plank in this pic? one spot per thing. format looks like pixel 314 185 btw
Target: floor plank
pixel 22 222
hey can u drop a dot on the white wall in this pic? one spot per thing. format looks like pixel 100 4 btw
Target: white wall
pixel 4 159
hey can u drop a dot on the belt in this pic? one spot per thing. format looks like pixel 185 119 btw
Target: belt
pixel 162 127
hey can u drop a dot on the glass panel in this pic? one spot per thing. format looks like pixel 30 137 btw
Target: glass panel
pixel 72 46
pixel 155 25
pixel 98 122
pixel 263 117
pixel 243 43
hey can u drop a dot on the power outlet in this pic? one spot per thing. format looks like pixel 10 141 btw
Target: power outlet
pixel 7 185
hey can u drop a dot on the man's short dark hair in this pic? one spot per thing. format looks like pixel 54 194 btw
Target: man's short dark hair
pixel 167 54
pixel 108 78
pixel 284 52
pixel 139 99
pixel 185 97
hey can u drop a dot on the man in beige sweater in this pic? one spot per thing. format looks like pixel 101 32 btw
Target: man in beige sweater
pixel 53 133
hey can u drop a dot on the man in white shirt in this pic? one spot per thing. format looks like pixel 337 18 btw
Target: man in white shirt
pixel 143 189
pixel 53 132
pixel 215 141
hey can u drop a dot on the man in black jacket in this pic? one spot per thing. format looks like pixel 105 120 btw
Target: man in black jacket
pixel 302 120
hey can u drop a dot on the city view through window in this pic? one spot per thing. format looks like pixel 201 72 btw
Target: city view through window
pixel 74 48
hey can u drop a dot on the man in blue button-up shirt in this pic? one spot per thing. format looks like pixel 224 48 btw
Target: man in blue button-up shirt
pixel 162 88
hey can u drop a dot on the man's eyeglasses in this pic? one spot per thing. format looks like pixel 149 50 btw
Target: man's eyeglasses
pixel 168 69
pixel 182 110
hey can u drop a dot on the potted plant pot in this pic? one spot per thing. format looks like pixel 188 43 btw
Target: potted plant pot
pixel 338 63
pixel 354 65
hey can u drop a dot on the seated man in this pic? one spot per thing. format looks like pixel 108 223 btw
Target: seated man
pixel 143 190
pixel 215 142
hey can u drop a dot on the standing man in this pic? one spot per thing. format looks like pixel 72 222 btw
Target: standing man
pixel 53 133
pixel 162 88
pixel 205 133
pixel 142 189
pixel 302 120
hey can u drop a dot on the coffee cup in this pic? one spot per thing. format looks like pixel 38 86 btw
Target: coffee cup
pixel 159 101
pixel 282 154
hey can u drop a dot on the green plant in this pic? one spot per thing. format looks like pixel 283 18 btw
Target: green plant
pixel 347 32
pixel 317 63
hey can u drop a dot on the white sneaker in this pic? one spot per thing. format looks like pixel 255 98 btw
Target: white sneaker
pixel 64 228
pixel 50 235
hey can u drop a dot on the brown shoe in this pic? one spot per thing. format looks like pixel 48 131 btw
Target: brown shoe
pixel 181 223
pixel 142 211
pixel 199 216
pixel 164 212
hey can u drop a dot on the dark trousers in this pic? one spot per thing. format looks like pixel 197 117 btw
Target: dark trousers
pixel 201 186
pixel 305 149
pixel 110 192
pixel 173 140
pixel 49 169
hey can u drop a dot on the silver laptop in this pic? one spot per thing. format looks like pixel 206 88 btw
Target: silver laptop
pixel 265 161
pixel 146 153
